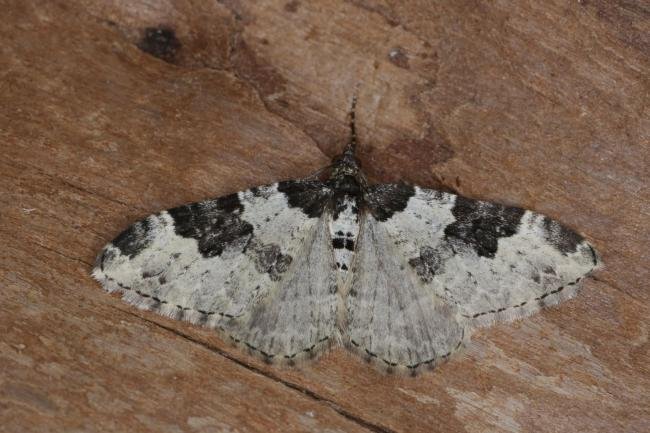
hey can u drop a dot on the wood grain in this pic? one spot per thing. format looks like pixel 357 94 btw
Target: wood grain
pixel 112 110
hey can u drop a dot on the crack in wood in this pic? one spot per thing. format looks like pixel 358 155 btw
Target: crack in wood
pixel 291 385
pixel 64 255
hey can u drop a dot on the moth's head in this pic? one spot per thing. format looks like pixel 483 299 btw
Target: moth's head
pixel 345 164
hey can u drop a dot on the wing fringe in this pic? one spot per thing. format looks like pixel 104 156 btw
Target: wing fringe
pixel 211 321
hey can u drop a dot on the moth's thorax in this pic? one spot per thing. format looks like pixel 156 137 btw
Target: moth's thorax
pixel 346 175
pixel 345 185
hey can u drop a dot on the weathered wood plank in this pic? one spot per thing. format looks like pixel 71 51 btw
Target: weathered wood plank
pixel 543 105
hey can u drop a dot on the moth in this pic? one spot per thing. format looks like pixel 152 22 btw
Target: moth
pixel 397 273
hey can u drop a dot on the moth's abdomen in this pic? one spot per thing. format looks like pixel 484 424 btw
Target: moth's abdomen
pixel 344 230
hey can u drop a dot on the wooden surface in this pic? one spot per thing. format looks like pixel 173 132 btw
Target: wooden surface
pixel 538 104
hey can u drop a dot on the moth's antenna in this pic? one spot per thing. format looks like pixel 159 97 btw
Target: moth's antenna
pixel 352 144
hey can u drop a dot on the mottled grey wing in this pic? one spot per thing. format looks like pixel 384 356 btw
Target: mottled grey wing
pixel 392 316
pixel 430 264
pixel 252 264
pixel 494 262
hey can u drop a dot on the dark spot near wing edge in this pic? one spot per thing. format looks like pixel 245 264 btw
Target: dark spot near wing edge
pixel 563 239
pixel 134 239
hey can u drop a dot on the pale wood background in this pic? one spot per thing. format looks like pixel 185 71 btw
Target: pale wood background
pixel 538 104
